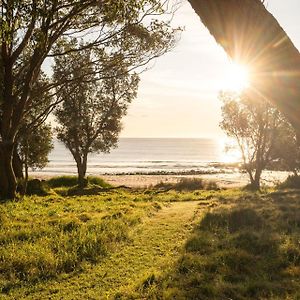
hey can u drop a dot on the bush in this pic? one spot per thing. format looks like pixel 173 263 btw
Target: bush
pixel 292 182
pixel 37 187
pixel 188 184
pixel 62 181
pixel 98 181
pixel 71 181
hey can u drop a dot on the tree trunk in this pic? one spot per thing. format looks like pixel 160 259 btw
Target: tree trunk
pixel 252 36
pixel 256 182
pixel 7 177
pixel 18 165
pixel 26 177
pixel 18 170
pixel 3 177
pixel 81 168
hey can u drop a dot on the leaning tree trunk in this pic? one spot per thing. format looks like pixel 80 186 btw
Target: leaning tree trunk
pixel 252 36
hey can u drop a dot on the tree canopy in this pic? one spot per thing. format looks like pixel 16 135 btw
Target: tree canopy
pixel 259 130
pixel 90 112
pixel 34 32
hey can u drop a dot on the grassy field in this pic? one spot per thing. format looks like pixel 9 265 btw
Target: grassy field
pixel 243 247
pixel 150 244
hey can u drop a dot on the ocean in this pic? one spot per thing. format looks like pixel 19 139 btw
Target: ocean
pixel 145 156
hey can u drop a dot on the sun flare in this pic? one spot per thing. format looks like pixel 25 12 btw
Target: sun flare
pixel 236 78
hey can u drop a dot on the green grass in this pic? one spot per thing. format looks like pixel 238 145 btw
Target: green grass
pixel 152 244
pixel 242 248
pixel 43 237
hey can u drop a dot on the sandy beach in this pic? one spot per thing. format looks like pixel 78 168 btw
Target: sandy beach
pixel 224 180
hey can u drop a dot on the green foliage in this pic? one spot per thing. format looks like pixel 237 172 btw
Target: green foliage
pixel 98 181
pixel 91 109
pixel 34 147
pixel 38 187
pixel 128 32
pixel 259 130
pixel 62 181
pixel 71 181
pixel 90 114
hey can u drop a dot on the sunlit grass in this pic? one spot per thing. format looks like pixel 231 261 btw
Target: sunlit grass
pixel 242 249
pixel 232 243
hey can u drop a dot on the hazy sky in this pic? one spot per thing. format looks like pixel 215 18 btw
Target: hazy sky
pixel 178 96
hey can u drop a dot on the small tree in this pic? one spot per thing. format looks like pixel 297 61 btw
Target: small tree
pixel 287 148
pixel 34 148
pixel 91 111
pixel 255 125
pixel 34 139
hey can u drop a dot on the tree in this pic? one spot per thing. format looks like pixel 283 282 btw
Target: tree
pixel 34 139
pixel 255 124
pixel 33 150
pixel 287 148
pixel 91 110
pixel 252 36
pixel 30 32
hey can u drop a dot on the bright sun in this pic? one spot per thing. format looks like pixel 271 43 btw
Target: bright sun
pixel 236 78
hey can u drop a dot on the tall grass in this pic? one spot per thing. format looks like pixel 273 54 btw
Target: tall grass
pixel 42 237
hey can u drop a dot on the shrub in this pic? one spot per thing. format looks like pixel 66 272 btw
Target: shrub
pixel 71 181
pixel 37 187
pixel 62 181
pixel 188 184
pixel 292 182
pixel 98 181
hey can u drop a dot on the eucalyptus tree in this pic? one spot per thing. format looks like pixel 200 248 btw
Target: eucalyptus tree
pixel 252 36
pixel 30 34
pixel 92 107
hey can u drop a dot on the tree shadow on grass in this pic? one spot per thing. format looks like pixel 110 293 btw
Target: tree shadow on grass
pixel 250 250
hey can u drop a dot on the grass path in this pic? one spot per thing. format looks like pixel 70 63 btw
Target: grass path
pixel 156 244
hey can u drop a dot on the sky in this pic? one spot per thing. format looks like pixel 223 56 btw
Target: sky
pixel 178 96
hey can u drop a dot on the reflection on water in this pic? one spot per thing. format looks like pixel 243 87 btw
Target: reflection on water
pixel 146 155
